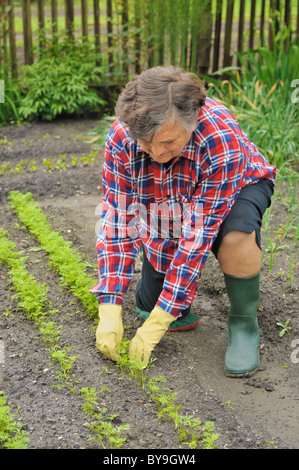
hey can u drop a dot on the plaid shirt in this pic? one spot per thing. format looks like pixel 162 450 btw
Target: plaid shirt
pixel 173 210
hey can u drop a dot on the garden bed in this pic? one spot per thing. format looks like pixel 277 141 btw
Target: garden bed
pixel 63 174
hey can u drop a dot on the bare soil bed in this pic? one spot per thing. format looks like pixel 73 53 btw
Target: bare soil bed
pixel 259 412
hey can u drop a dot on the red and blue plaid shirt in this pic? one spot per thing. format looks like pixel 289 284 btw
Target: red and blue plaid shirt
pixel 174 211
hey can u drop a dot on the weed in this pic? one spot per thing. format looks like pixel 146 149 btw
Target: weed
pixel 285 328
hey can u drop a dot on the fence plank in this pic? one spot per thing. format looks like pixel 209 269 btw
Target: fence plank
pixel 137 13
pixel 84 16
pixel 54 19
pixel 124 24
pixel 41 24
pixel 109 32
pixel 241 29
pixel 4 33
pixel 12 39
pixel 69 18
pixel 262 23
pixel 217 34
pixel 27 33
pixel 97 29
pixel 227 59
pixel 251 26
pixel 204 39
pixel 184 40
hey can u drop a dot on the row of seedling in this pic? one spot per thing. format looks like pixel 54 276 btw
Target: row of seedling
pixel 32 299
pixel 12 436
pixel 62 163
pixel 72 271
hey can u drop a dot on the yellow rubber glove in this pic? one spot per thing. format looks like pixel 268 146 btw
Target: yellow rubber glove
pixel 149 335
pixel 110 330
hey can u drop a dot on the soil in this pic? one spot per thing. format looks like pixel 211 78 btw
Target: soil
pixel 258 412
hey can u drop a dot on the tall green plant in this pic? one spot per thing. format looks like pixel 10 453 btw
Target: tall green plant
pixel 62 81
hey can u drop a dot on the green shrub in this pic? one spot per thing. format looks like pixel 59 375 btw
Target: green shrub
pixel 62 81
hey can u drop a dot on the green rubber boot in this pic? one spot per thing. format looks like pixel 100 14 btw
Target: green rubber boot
pixel 242 354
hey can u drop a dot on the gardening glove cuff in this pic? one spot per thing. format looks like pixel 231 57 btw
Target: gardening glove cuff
pixel 110 330
pixel 149 335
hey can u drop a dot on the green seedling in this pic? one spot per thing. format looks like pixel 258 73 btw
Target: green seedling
pixel 12 436
pixel 4 167
pixel 32 298
pixel 102 426
pixel 73 274
pixel 285 328
pixel 63 259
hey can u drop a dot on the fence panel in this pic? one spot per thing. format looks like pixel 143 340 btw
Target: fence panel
pixel 135 34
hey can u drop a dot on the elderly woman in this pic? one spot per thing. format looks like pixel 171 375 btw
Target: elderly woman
pixel 180 179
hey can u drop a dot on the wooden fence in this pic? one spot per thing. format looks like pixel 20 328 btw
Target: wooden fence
pixel 201 36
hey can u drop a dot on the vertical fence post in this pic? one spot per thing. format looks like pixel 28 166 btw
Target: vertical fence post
pixel 12 39
pixel 287 15
pixel 97 30
pixel 54 19
pixel 227 59
pixel 26 12
pixel 41 25
pixel 241 29
pixel 109 34
pixel 185 13
pixel 137 13
pixel 149 32
pixel 262 23
pixel 84 16
pixel 252 23
pixel 3 24
pixel 69 18
pixel 217 36
pixel 125 30
pixel 204 39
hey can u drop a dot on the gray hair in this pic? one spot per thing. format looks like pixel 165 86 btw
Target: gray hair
pixel 158 95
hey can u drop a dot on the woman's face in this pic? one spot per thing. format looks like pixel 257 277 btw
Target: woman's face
pixel 167 143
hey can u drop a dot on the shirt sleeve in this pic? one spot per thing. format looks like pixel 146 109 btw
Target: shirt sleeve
pixel 118 241
pixel 223 168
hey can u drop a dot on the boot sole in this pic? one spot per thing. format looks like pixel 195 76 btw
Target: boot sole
pixel 243 374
